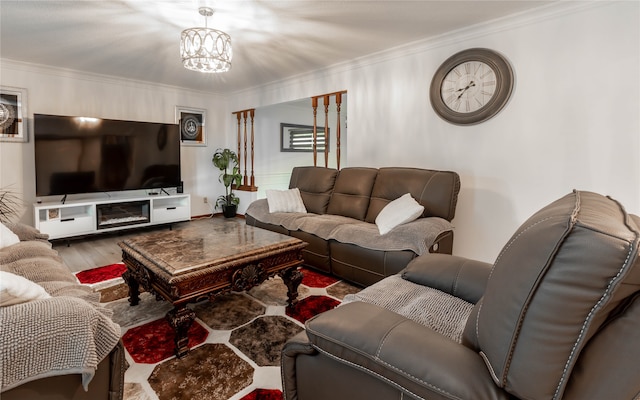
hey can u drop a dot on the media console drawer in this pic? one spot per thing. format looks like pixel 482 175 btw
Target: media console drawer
pixel 69 226
pixel 170 214
pixel 170 210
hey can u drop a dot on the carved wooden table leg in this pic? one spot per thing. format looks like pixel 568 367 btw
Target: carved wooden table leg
pixel 180 319
pixel 292 278
pixel 134 287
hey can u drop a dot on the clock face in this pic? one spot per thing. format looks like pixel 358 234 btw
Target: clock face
pixel 471 86
pixel 468 86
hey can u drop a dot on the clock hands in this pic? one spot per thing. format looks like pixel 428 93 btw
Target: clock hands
pixel 470 85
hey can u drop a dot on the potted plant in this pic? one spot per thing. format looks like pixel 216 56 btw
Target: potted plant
pixel 226 161
pixel 9 205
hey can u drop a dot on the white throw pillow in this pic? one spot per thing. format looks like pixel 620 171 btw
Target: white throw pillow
pixel 15 289
pixel 7 237
pixel 400 211
pixel 285 201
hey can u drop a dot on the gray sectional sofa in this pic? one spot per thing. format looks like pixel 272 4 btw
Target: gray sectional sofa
pixel 342 207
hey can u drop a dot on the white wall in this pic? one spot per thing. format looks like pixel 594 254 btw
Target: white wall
pixel 63 92
pixel 572 122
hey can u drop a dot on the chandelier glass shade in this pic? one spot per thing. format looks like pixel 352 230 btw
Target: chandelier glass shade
pixel 206 49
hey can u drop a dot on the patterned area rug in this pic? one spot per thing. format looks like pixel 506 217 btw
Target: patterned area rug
pixel 235 341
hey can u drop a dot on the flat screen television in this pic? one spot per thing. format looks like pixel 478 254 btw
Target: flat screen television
pixel 86 155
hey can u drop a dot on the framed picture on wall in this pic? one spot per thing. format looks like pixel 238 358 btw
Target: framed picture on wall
pixel 13 114
pixel 192 126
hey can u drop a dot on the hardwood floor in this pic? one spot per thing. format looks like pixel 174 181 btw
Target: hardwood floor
pixel 94 251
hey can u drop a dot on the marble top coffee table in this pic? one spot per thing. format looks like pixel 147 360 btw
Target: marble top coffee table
pixel 205 258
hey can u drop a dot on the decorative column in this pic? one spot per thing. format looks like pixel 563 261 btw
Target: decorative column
pixel 243 116
pixel 314 105
pixel 244 181
pixel 338 103
pixel 253 178
pixel 326 131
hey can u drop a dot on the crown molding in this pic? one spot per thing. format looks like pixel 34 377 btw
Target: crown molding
pixel 510 22
pixel 59 72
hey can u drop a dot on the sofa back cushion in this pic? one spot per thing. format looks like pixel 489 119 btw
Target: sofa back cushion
pixel 351 193
pixel 551 289
pixel 437 191
pixel 315 185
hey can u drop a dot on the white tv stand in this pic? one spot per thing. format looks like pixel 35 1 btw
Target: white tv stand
pixel 85 217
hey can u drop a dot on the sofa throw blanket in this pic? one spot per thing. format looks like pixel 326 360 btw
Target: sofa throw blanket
pixel 440 311
pixel 56 336
pixel 416 236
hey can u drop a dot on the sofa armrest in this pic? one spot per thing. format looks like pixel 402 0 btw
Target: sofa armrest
pixel 458 276
pixel 402 352
pixel 297 345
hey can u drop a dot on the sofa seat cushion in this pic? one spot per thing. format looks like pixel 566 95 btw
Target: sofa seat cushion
pixel 405 354
pixel 416 236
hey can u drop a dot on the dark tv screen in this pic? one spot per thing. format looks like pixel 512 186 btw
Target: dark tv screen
pixel 85 155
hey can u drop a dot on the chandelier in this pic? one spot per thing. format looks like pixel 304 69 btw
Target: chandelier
pixel 205 49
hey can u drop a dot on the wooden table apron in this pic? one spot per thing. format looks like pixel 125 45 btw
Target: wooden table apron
pixel 240 274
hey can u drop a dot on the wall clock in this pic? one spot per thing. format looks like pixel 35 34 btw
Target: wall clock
pixel 471 86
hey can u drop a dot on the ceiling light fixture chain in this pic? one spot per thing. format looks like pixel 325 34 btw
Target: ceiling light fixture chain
pixel 206 49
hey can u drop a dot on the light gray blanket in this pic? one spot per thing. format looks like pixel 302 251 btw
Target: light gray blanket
pixel 440 311
pixel 55 336
pixel 69 333
pixel 416 236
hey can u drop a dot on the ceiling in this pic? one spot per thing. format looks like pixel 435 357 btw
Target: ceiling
pixel 272 40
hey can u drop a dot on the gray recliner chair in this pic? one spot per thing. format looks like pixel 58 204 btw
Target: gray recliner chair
pixel 557 316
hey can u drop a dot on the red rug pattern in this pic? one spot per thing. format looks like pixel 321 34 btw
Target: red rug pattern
pixel 154 341
pixel 311 306
pixel 101 274
pixel 317 279
pixel 264 394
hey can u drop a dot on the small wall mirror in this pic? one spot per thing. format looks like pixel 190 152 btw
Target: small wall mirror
pixel 299 138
